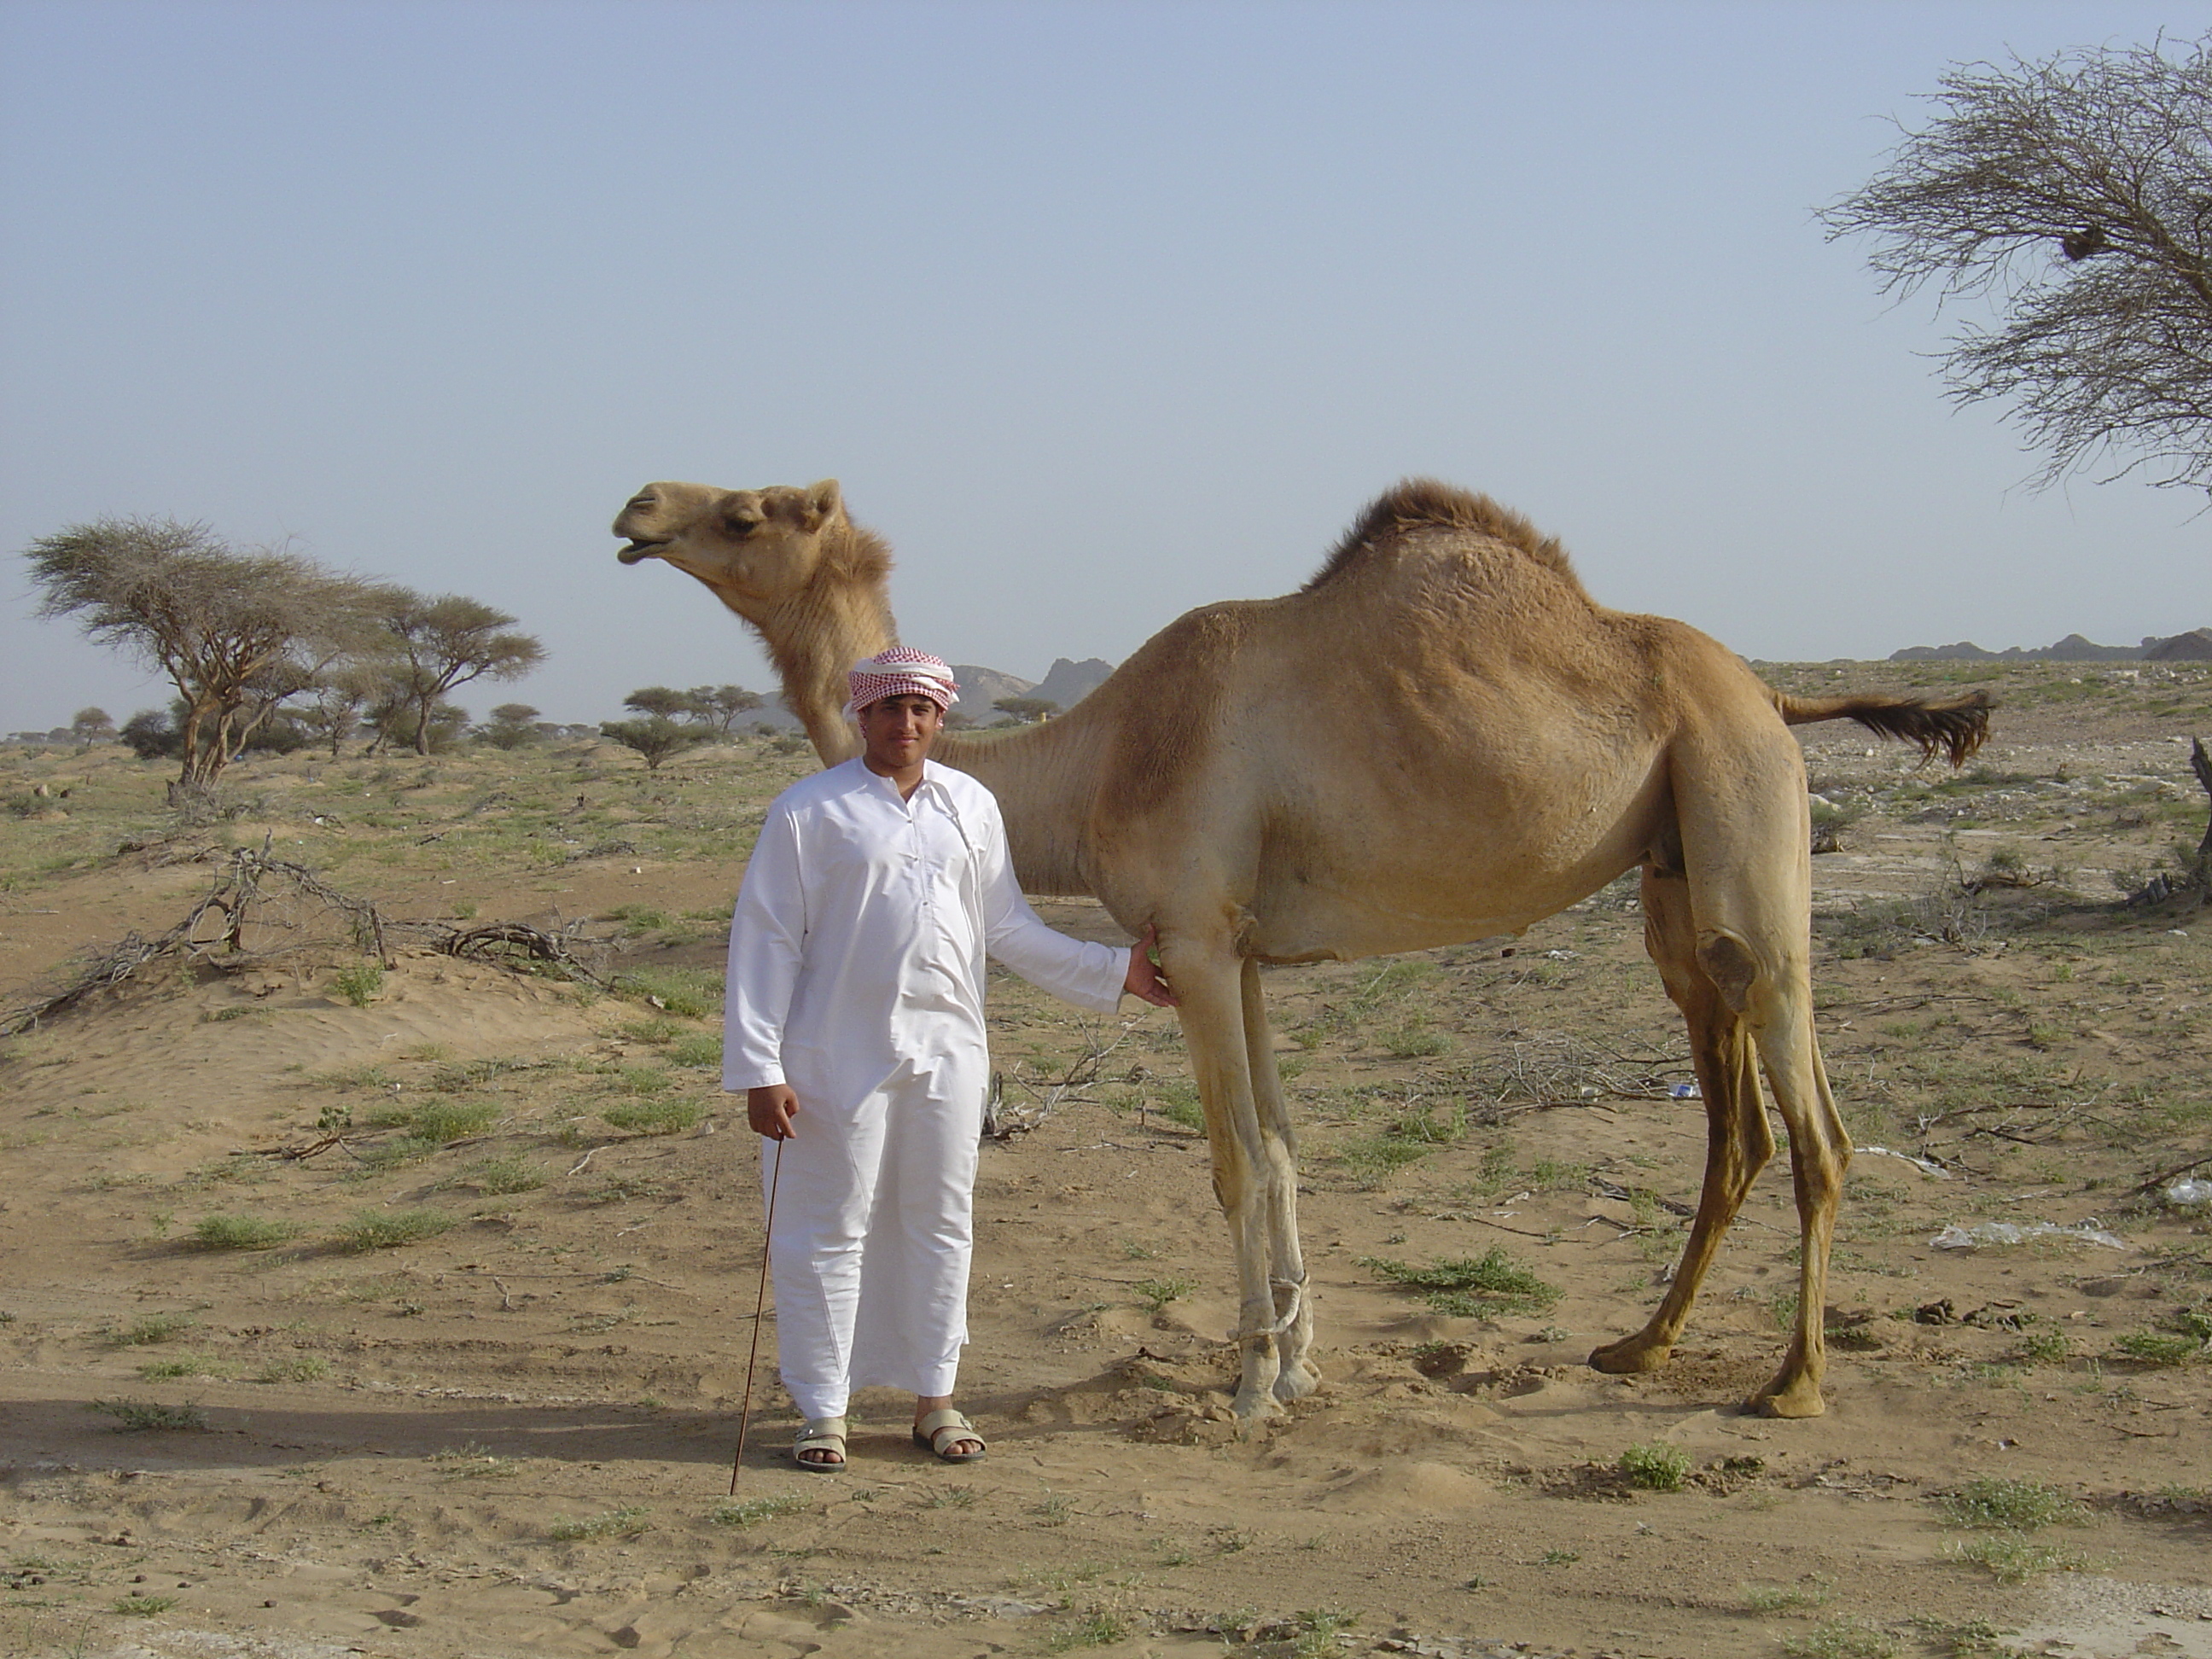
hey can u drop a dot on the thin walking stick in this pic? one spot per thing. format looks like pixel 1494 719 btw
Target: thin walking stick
pixel 760 1301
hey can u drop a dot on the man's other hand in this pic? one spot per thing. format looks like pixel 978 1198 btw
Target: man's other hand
pixel 1144 980
pixel 770 1109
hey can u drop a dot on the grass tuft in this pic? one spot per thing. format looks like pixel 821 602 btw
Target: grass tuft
pixel 241 1232
pixel 2012 1559
pixel 135 1415
pixel 385 1230
pixel 614 1523
pixel 746 1512
pixel 2010 1506
pixel 656 1117
pixel 1656 1465
pixel 1157 1293
pixel 358 984
pixel 1842 1639
pixel 1472 1286
pixel 153 1328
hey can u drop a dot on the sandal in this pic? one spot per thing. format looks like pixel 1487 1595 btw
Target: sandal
pixel 820 1434
pixel 948 1428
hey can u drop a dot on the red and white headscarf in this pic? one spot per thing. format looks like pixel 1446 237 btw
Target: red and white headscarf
pixel 900 672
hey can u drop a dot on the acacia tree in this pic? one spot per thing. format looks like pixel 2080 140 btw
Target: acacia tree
pixel 656 737
pixel 432 645
pixel 512 727
pixel 663 703
pixel 218 623
pixel 721 705
pixel 2074 193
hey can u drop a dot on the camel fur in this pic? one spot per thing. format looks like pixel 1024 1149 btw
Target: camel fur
pixel 1441 738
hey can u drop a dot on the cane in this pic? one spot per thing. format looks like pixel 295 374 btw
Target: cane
pixel 760 1303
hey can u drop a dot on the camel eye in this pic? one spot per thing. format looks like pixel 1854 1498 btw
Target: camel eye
pixel 744 526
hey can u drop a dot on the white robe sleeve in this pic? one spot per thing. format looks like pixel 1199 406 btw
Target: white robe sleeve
pixel 768 931
pixel 1075 970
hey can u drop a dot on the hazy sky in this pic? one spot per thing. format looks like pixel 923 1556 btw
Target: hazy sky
pixel 1099 311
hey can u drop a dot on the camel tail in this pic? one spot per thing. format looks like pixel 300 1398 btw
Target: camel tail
pixel 1957 727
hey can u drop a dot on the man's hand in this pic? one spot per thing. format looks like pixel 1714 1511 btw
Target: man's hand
pixel 770 1109
pixel 1145 979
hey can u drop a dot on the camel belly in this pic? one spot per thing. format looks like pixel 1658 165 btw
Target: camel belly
pixel 1355 889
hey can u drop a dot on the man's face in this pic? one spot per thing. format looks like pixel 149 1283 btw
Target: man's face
pixel 896 732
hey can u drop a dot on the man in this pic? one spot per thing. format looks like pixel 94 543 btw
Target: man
pixel 854 1029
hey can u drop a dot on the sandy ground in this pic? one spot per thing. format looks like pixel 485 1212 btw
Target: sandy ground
pixel 513 1435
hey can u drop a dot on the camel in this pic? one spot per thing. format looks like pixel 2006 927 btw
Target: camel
pixel 1441 738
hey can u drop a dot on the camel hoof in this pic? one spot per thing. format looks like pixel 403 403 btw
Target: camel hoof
pixel 1297 1380
pixel 1800 1398
pixel 1254 1405
pixel 1630 1355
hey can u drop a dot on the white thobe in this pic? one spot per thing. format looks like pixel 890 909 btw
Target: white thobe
pixel 856 977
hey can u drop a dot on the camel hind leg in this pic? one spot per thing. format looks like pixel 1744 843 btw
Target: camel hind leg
pixel 1738 1142
pixel 1740 805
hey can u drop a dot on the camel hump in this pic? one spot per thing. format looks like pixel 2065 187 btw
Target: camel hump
pixel 1957 726
pixel 1416 504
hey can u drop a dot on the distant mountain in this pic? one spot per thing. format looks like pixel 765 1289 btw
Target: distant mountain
pixel 1068 682
pixel 2194 646
pixel 980 687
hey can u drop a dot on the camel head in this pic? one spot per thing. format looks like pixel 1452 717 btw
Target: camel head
pixel 757 549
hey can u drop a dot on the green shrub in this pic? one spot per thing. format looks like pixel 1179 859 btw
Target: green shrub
pixel 1157 1293
pixel 1472 1286
pixel 615 1523
pixel 241 1232
pixel 1842 1640
pixel 2010 1505
pixel 133 1415
pixel 2012 1559
pixel 2155 1348
pixel 446 1120
pixel 511 1174
pixel 698 1048
pixel 153 1328
pixel 690 993
pixel 656 1117
pixel 300 1368
pixel 385 1229
pixel 1656 1465
pixel 744 1513
pixel 359 983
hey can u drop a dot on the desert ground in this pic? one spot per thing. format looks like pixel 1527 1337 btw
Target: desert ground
pixel 399 1304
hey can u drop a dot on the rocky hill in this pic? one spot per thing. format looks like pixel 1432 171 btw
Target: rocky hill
pixel 2195 646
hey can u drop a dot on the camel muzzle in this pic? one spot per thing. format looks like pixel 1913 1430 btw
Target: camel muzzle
pixel 637 551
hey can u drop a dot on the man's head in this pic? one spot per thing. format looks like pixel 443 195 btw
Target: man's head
pixel 895 732
pixel 901 671
pixel 899 699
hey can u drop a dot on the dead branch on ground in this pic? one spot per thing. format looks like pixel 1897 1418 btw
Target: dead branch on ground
pixel 261 910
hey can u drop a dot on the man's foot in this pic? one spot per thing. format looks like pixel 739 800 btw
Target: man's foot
pixel 820 1448
pixel 949 1436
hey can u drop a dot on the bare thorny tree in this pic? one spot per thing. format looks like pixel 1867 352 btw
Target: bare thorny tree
pixel 2074 193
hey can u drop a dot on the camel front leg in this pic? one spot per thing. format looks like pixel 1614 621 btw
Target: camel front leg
pixel 1289 1294
pixel 1245 1172
pixel 1738 1142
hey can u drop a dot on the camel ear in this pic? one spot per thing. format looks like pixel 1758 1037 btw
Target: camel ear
pixel 824 502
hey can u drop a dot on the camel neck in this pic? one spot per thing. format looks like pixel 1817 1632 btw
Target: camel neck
pixel 1044 778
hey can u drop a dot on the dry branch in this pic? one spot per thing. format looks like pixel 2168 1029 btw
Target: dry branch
pixel 261 909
